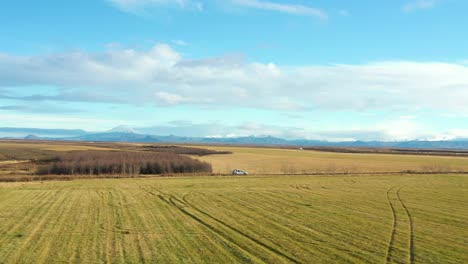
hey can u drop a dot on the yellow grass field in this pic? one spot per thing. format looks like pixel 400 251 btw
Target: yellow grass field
pixel 294 161
pixel 272 219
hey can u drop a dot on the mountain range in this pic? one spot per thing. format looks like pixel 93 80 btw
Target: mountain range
pixel 126 134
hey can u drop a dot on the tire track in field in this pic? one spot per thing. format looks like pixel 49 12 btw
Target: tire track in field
pixel 411 228
pixel 394 226
pixel 161 196
pixel 173 201
pixel 336 226
pixel 398 236
pixel 256 241
pixel 322 239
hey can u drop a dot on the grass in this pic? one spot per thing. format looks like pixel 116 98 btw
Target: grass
pixel 269 219
pixel 372 218
pixel 291 161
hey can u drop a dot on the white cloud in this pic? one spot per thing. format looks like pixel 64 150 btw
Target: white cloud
pixel 456 133
pixel 162 76
pixel 294 9
pixel 169 98
pixel 400 129
pixel 43 121
pixel 141 6
pixel 418 5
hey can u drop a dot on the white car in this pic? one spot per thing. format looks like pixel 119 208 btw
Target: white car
pixel 239 172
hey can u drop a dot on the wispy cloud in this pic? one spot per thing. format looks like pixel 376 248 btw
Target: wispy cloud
pixel 50 121
pixel 418 5
pixel 142 6
pixel 37 108
pixel 180 42
pixel 294 9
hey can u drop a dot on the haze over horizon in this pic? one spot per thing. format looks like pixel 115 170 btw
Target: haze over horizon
pixel 325 70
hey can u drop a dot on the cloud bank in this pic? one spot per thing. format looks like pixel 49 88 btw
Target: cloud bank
pixel 162 76
pixel 401 129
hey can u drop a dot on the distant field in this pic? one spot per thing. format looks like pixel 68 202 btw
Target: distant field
pixel 294 161
pixel 25 158
pixel 274 219
pixel 42 150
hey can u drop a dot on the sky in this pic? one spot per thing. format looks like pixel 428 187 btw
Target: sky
pixel 316 69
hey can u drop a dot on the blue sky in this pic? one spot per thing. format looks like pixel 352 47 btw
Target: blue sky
pixel 331 70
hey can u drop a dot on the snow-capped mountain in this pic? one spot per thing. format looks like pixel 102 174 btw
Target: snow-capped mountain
pixel 122 129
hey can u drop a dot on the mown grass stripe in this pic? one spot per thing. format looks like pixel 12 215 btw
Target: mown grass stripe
pixel 411 228
pixel 394 226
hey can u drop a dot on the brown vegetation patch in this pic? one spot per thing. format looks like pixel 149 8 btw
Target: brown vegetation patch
pixel 399 151
pixel 128 163
pixel 184 150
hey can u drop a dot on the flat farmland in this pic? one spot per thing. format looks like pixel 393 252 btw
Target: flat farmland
pixel 18 150
pixel 14 157
pixel 261 219
pixel 294 161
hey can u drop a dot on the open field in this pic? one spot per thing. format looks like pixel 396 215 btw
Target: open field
pixel 25 158
pixel 42 150
pixel 294 161
pixel 372 218
pixel 273 219
pixel 406 151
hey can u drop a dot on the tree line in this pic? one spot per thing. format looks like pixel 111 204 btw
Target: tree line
pixel 131 163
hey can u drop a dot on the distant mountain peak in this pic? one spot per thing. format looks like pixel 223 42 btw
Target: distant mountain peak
pixel 31 137
pixel 123 129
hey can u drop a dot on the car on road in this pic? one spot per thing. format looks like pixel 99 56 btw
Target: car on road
pixel 239 172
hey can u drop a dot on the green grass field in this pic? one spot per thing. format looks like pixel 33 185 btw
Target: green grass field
pixel 274 219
